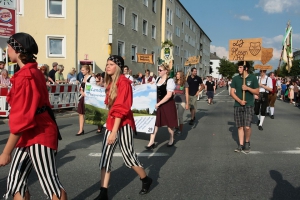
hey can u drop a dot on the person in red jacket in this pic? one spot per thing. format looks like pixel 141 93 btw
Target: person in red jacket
pixel 119 126
pixel 34 132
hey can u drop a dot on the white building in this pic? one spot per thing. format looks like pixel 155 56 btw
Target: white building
pixel 215 63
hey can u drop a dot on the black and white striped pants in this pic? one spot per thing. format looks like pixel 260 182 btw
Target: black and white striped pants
pixel 42 159
pixel 125 140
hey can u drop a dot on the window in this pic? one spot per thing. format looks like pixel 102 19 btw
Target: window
pixel 56 8
pixel 146 3
pixel 121 48
pixel 144 51
pixel 56 46
pixel 153 32
pixel 177 31
pixel 169 16
pixel 133 52
pixel 153 56
pixel 145 27
pixel 178 12
pixel 134 22
pixel 154 6
pixel 121 15
pixel 169 35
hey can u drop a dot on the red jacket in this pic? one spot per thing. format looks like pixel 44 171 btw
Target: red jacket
pixel 28 93
pixel 122 105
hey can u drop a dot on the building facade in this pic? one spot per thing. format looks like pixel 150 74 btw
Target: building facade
pixel 70 31
pixel 215 64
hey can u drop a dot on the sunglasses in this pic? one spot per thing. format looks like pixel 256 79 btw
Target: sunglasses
pixel 160 70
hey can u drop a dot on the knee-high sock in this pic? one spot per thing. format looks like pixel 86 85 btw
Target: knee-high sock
pixel 261 120
pixel 272 110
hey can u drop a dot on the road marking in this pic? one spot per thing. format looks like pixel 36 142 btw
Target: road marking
pixel 297 151
pixel 139 154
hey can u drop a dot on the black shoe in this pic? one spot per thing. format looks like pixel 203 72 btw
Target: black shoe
pixel 146 183
pixel 272 116
pixel 191 121
pixel 170 145
pixel 257 123
pixel 152 146
pixel 103 194
pixel 239 148
pixel 260 128
pixel 247 148
pixel 82 133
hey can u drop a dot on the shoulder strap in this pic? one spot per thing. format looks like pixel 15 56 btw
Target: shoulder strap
pixel 157 79
pixel 267 81
pixel 88 80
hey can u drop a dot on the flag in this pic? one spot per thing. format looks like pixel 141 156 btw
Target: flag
pixel 287 55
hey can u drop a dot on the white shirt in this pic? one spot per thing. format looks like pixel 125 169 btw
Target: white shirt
pixel 263 81
pixel 129 77
pixel 170 85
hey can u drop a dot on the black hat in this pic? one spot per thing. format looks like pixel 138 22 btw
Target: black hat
pixel 23 43
pixel 117 59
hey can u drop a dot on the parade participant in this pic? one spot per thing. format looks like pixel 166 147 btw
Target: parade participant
pixel 147 78
pixel 291 92
pixel 243 109
pixel 2 64
pixel 210 88
pixel 181 98
pixel 87 78
pixel 119 126
pixel 52 72
pixel 100 82
pixel 166 114
pixel 126 73
pixel 4 79
pixel 36 137
pixel 229 85
pixel 194 82
pixel 278 83
pixel 261 100
pixel 272 96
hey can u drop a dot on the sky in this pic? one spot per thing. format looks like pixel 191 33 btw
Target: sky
pixel 224 20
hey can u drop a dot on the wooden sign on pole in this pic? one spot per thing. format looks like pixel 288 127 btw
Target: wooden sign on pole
pixel 245 49
pixel 263 67
pixel 144 58
pixel 266 55
pixel 194 60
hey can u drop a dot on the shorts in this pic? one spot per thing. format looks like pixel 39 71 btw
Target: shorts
pixel 193 102
pixel 210 94
pixel 243 116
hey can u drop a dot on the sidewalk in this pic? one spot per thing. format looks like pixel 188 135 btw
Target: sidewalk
pixel 63 113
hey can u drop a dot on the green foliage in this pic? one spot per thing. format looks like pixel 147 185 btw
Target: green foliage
pixel 169 42
pixel 295 70
pixel 94 115
pixel 228 68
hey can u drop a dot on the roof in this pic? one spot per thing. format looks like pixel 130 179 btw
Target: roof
pixel 213 56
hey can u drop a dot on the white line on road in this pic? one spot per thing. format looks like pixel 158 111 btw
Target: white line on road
pixel 139 154
pixel 297 151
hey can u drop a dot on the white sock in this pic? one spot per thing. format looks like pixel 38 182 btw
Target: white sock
pixel 272 110
pixel 268 109
pixel 261 120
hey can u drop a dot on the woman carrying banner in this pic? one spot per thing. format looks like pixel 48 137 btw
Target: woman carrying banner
pixel 181 98
pixel 166 114
pixel 87 78
pixel 34 132
pixel 119 126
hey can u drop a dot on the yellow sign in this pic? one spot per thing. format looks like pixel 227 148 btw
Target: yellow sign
pixel 144 58
pixel 245 49
pixel 263 67
pixel 192 60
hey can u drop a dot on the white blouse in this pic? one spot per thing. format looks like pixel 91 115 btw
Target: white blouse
pixel 170 85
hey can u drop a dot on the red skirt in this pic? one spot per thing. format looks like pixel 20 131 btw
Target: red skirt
pixel 81 107
pixel 166 114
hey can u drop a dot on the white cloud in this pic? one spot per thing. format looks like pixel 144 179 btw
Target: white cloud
pixel 277 6
pixel 245 18
pixel 220 51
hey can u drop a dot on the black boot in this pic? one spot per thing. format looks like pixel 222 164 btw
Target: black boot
pixel 102 195
pixel 146 182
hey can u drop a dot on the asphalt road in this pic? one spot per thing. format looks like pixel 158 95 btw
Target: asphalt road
pixel 201 165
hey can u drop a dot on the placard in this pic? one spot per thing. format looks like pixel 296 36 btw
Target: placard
pixel 192 60
pixel 145 58
pixel 266 55
pixel 245 49
pixel 263 67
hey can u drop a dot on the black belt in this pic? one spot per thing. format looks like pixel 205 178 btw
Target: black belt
pixel 40 110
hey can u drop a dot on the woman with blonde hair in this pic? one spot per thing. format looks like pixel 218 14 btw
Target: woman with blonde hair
pixel 59 76
pixel 181 97
pixel 119 126
pixel 71 77
pixel 166 114
pixel 87 78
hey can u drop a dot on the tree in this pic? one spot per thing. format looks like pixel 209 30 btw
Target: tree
pixel 295 69
pixel 227 68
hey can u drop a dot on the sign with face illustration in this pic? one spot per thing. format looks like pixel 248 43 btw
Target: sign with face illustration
pixel 245 49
